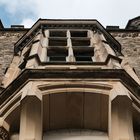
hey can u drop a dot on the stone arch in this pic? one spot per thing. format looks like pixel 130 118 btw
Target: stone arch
pixel 80 90
pixel 63 87
pixel 61 92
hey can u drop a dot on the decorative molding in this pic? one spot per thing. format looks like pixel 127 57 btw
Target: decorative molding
pixel 66 24
pixel 108 74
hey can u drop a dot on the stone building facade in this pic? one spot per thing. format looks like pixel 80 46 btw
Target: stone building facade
pixel 70 79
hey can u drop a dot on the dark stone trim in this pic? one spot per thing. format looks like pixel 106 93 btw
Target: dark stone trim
pixel 108 74
pixel 123 30
pixel 13 29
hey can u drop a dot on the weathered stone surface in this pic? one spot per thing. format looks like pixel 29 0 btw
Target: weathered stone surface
pixel 7 40
pixel 130 42
pixel 62 97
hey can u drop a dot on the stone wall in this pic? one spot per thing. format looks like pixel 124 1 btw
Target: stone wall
pixel 130 42
pixel 7 40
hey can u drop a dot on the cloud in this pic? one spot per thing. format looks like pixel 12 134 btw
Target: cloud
pixel 115 12
pixel 21 11
pixel 27 23
pixel 21 6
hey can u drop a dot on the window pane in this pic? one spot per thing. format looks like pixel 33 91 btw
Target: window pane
pixel 78 33
pixel 57 42
pixel 83 58
pixel 57 33
pixel 57 58
pixel 80 42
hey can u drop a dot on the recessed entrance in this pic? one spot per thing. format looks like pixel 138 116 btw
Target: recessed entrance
pixel 75 111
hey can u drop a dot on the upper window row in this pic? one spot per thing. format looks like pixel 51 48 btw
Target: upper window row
pixel 60 38
pixel 63 42
pixel 72 33
pixel 80 43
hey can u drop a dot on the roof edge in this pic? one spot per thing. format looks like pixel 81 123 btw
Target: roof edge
pixel 90 23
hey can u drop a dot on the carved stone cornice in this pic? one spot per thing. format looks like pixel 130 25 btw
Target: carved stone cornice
pixel 34 74
pixel 43 24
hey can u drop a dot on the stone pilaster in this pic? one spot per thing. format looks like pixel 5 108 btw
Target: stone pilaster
pixel 121 119
pixel 70 57
pixel 44 44
pixel 100 53
pixel 120 114
pixel 31 116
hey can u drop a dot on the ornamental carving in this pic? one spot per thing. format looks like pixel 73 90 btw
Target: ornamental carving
pixel 4 135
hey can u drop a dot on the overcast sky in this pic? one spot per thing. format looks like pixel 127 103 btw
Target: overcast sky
pixel 107 12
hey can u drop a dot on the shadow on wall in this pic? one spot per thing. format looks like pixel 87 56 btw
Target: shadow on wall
pixel 71 135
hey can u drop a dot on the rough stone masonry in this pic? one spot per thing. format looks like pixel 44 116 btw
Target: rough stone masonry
pixel 128 38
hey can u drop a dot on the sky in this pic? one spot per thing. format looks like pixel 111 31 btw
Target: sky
pixel 107 12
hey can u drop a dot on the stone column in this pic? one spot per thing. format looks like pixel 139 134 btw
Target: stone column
pixel 120 116
pixel 36 45
pixel 31 116
pixel 70 57
pixel 45 43
pixel 90 35
pixel 121 126
pixel 99 50
pixel 36 49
